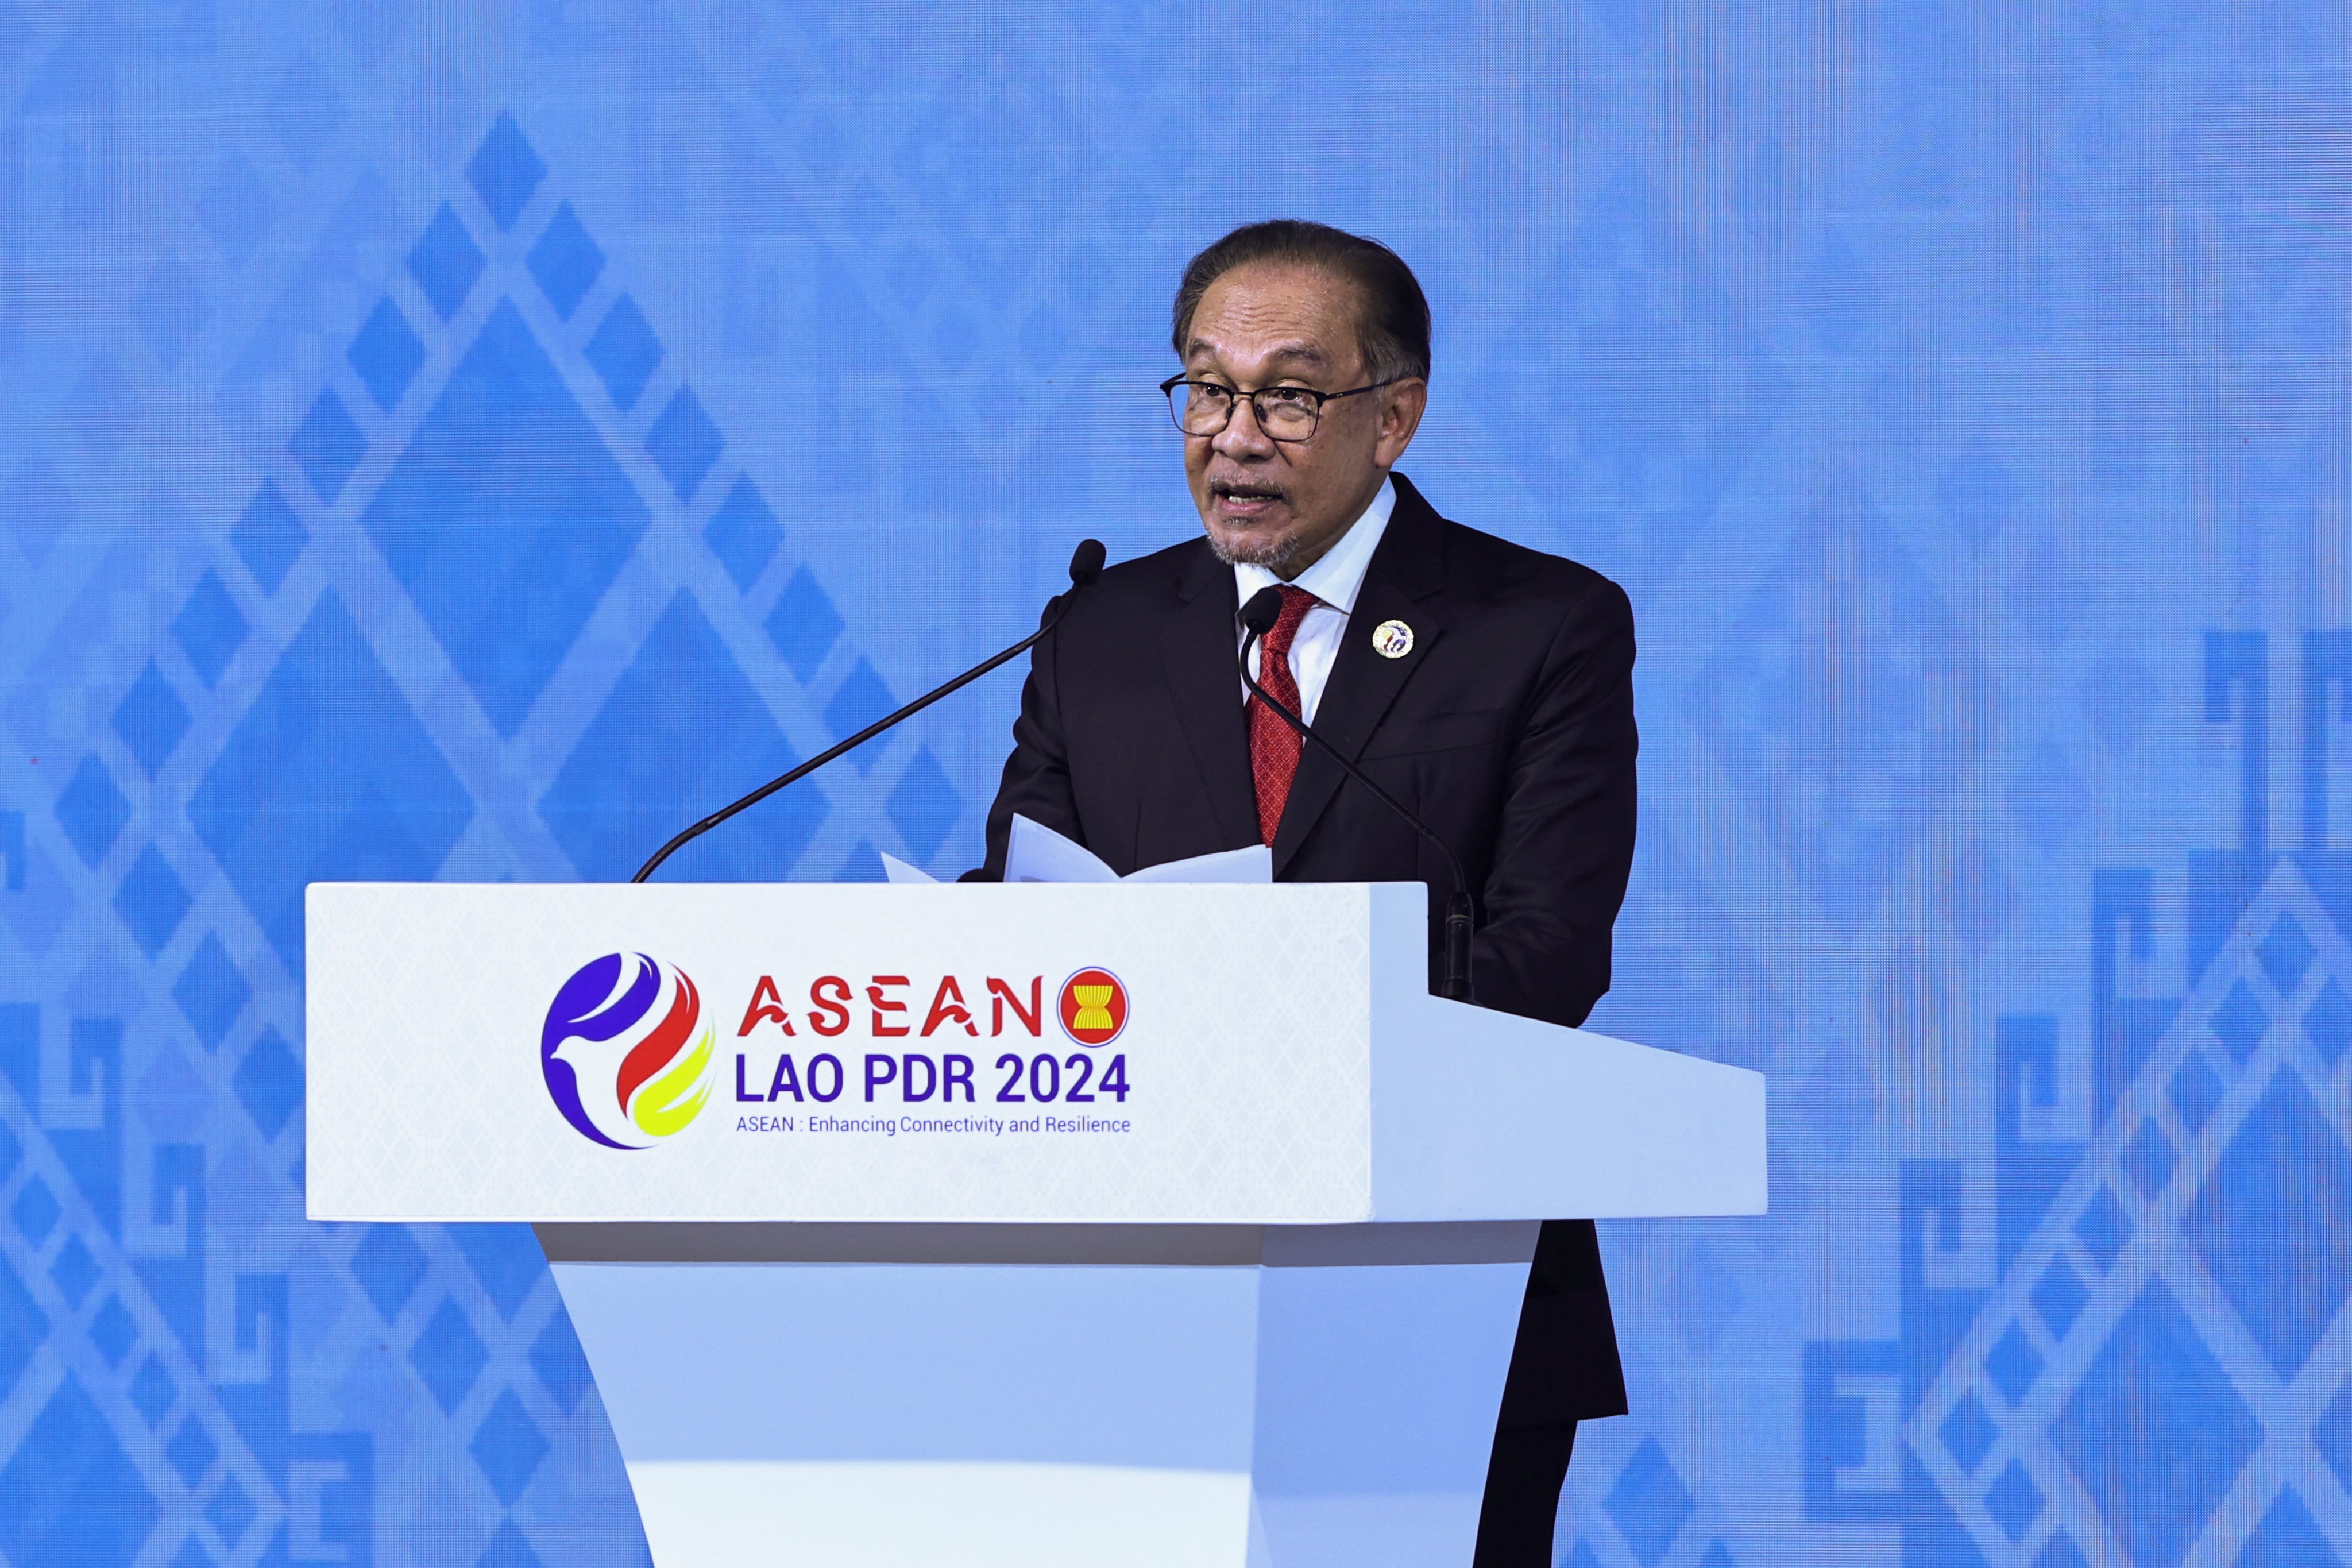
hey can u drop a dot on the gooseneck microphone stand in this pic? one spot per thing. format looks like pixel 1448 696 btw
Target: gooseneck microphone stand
pixel 1086 565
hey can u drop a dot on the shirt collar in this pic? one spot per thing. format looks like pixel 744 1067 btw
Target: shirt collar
pixel 1336 578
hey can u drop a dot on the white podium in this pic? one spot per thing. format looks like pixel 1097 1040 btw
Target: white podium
pixel 1102 1224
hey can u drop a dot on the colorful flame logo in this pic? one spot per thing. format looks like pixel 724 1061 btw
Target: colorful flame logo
pixel 625 1053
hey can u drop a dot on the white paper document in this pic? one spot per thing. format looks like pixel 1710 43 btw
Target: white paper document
pixel 1038 854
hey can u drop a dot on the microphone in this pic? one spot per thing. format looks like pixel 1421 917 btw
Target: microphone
pixel 1258 616
pixel 1086 565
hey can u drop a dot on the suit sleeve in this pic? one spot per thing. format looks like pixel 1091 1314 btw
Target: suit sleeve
pixel 1564 844
pixel 1036 782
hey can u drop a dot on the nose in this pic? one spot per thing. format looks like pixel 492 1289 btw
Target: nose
pixel 1241 436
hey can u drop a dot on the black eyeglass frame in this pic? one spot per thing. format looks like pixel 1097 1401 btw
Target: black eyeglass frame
pixel 1257 410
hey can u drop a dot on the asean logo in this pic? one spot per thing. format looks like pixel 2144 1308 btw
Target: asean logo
pixel 1092 1007
pixel 625 1052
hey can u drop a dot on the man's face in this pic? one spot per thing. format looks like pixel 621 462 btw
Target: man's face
pixel 1282 504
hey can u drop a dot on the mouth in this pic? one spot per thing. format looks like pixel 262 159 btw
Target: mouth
pixel 1244 502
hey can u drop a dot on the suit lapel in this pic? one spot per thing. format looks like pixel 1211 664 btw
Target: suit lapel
pixel 1401 583
pixel 1197 644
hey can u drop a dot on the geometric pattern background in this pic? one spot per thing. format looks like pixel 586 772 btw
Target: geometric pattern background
pixel 472 445
pixel 2160 1373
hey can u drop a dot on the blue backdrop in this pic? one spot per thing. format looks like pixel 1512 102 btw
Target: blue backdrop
pixel 468 442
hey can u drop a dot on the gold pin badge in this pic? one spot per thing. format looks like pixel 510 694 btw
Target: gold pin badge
pixel 1392 640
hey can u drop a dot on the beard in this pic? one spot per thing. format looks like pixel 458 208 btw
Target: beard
pixel 1254 550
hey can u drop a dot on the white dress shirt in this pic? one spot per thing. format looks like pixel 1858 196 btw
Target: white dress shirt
pixel 1334 581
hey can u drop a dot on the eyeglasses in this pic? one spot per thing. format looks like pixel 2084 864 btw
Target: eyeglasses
pixel 1284 413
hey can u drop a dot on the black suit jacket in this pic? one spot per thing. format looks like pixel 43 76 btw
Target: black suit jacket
pixel 1508 728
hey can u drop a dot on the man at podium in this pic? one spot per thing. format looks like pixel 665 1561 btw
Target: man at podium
pixel 1485 687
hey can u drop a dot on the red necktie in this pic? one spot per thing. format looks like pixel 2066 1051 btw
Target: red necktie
pixel 1275 745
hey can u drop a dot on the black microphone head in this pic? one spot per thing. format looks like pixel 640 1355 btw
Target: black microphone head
pixel 1263 609
pixel 1086 561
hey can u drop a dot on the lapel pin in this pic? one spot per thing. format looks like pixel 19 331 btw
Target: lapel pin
pixel 1392 640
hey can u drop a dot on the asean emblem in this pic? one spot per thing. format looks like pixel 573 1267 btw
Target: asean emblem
pixel 1092 1007
pixel 1392 640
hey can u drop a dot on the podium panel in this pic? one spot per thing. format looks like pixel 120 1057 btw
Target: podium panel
pixel 1039 1225
pixel 1261 1055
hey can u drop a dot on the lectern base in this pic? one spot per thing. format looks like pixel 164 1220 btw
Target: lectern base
pixel 1274 1397
pixel 922 1513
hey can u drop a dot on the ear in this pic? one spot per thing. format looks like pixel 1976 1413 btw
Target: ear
pixel 1401 407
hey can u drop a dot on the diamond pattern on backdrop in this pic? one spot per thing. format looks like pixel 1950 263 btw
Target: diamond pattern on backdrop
pixel 1688 284
pixel 681 725
pixel 2168 1328
pixel 506 519
pixel 498 454
pixel 281 805
pixel 1841 705
pixel 2231 1252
